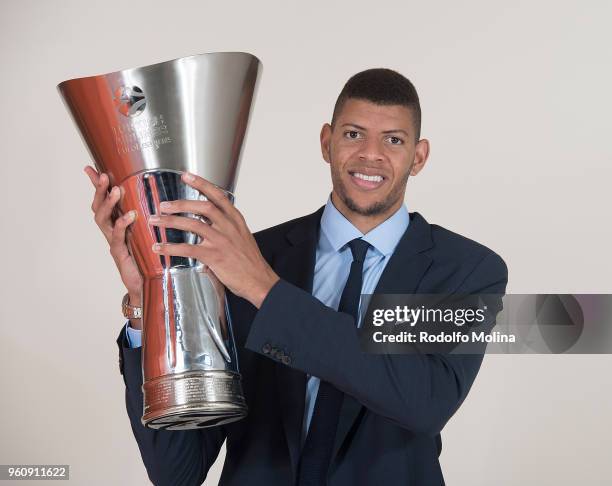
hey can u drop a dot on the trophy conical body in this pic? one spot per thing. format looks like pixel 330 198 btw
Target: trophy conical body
pixel 144 127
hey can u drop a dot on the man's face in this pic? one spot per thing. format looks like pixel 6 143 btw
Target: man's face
pixel 371 151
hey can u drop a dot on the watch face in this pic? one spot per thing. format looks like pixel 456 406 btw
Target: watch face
pixel 130 311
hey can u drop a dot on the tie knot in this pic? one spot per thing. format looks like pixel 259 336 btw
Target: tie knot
pixel 359 249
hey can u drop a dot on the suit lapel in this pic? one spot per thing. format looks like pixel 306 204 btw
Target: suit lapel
pixel 402 275
pixel 296 265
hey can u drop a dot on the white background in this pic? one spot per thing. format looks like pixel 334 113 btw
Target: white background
pixel 516 103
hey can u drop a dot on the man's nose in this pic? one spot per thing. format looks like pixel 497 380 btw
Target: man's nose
pixel 371 151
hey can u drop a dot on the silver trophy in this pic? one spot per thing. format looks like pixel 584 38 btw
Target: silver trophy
pixel 144 127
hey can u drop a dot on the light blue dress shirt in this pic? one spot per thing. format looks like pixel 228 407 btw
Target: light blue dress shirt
pixel 134 336
pixel 332 266
pixel 333 263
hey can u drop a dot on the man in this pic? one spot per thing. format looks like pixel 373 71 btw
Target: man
pixel 320 410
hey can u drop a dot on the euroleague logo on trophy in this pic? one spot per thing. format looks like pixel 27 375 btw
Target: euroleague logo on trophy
pixel 130 100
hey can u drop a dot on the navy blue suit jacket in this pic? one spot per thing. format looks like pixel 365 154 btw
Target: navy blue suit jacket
pixel 395 405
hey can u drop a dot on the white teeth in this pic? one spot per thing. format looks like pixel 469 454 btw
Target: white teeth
pixel 376 178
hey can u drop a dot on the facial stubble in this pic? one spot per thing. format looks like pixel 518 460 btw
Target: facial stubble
pixel 375 208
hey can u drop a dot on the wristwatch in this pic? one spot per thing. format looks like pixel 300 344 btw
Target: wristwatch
pixel 130 311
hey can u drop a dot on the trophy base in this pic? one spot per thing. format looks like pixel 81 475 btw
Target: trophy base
pixel 193 400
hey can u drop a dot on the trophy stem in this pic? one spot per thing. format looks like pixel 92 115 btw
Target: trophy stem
pixel 191 379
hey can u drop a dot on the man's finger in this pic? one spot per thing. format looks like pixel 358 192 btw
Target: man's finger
pixel 193 225
pixel 212 192
pixel 103 214
pixel 101 192
pixel 203 208
pixel 178 249
pixel 118 246
pixel 92 174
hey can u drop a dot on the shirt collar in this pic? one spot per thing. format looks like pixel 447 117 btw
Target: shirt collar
pixel 384 237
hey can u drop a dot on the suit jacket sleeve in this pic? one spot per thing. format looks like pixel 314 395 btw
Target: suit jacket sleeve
pixel 419 392
pixel 178 457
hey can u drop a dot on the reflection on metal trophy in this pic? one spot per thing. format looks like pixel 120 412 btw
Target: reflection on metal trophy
pixel 144 127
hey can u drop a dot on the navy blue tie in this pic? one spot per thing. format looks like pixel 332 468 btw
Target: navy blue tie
pixel 317 450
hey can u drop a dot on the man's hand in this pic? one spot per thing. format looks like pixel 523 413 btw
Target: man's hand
pixel 228 248
pixel 114 232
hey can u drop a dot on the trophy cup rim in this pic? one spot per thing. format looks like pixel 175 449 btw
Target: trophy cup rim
pixel 158 64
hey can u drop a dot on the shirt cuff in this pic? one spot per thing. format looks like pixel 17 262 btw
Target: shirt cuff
pixel 134 336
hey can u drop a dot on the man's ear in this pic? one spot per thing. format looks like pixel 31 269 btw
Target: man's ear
pixel 326 133
pixel 421 154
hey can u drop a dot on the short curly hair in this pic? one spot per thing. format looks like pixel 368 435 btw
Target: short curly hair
pixel 384 87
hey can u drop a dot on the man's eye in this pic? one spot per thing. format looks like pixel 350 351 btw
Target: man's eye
pixel 395 140
pixel 352 134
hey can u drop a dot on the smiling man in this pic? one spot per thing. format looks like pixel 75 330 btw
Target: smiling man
pixel 320 410
pixel 372 146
